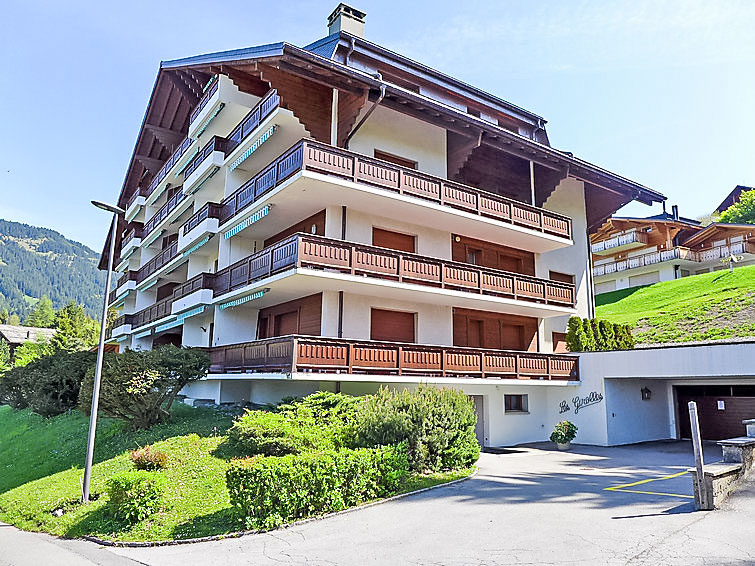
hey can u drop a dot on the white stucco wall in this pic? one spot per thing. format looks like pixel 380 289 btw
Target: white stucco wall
pixel 404 136
pixel 568 198
pixel 430 241
pixel 236 325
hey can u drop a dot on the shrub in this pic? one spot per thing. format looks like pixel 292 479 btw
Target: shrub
pixel 564 432
pixel 148 458
pixel 584 335
pixel 139 387
pixel 49 385
pixel 268 491
pixel 136 495
pixel 277 434
pixel 436 424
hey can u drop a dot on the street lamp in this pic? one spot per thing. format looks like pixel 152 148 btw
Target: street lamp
pixel 100 348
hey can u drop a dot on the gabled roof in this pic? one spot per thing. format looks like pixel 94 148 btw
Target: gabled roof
pixel 16 335
pixel 732 197
pixel 716 228
pixel 662 217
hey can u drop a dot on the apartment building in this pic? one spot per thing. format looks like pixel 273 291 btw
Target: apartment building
pixel 339 217
pixel 631 252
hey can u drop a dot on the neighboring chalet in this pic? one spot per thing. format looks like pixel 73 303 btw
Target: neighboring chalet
pixel 339 217
pixel 630 252
pixel 732 198
pixel 16 335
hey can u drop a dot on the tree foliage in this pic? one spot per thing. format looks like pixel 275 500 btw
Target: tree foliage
pixel 139 387
pixel 75 330
pixel 42 315
pixel 585 335
pixel 742 212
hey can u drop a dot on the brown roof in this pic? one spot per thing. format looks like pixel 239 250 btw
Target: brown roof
pixel 732 197
pixel 716 229
pixel 16 335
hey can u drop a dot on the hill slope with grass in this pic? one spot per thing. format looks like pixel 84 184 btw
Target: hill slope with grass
pixel 711 306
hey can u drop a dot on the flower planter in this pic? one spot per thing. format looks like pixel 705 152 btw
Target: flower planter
pixel 563 446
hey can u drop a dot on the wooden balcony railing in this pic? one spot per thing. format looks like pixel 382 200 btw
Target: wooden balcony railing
pixel 721 252
pixel 256 115
pixel 318 252
pixel 643 260
pixel 168 165
pixel 139 192
pixel 211 89
pixel 328 160
pixel 330 355
pixel 161 308
pixel 216 143
pixel 157 262
pixel 128 276
pixel 163 213
pixel 135 232
pixel 209 210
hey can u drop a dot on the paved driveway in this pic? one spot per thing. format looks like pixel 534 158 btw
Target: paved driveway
pixel 530 505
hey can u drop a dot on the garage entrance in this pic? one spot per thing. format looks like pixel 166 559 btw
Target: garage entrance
pixel 721 409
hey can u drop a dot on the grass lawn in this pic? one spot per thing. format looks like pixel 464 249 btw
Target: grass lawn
pixel 710 306
pixel 41 470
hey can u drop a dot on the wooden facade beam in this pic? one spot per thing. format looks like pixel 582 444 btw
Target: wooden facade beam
pixel 191 97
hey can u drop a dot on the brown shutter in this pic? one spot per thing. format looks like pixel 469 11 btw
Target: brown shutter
pixel 392 326
pixel 393 240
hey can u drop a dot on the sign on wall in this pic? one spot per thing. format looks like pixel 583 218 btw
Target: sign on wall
pixel 580 402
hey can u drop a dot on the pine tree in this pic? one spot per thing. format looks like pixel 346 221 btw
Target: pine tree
pixel 607 330
pixel 574 334
pixel 589 344
pixel 5 360
pixel 42 315
pixel 75 330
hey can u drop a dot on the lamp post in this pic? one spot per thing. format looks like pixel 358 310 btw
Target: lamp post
pixel 100 348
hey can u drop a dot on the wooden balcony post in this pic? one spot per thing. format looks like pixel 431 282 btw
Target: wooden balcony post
pixel 400 359
pixel 294 354
pixel 516 365
pixel 350 361
pixel 549 368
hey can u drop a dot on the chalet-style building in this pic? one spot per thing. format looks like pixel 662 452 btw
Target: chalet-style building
pixel 732 198
pixel 16 335
pixel 630 252
pixel 339 216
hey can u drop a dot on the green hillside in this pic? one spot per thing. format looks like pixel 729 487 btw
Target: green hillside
pixel 39 261
pixel 711 306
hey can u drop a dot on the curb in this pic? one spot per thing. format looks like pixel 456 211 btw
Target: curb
pixel 238 534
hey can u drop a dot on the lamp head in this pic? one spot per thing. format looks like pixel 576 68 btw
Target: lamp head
pixel 108 207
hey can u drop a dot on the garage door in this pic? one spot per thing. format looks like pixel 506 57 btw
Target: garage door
pixel 721 409
pixel 645 279
pixel 605 287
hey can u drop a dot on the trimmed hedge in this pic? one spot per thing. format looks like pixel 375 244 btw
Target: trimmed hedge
pixel 136 495
pixel 586 335
pixel 269 491
pixel 278 434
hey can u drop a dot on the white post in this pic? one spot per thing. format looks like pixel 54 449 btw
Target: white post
pixel 98 369
pixel 697 448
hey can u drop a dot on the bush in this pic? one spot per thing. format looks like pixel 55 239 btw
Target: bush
pixel 148 458
pixel 268 491
pixel 134 496
pixel 139 387
pixel 437 425
pixel 277 434
pixel 49 385
pixel 585 335
pixel 564 432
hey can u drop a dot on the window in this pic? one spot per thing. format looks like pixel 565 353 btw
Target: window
pixel 561 277
pixel 516 403
pixel 392 326
pixel 393 240
pixel 395 159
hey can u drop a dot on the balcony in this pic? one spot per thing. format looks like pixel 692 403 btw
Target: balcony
pixel 400 193
pixel 121 326
pixel 316 263
pixel 718 253
pixel 204 222
pixel 645 260
pixel 313 355
pixel 154 265
pixel 243 132
pixel 131 241
pixel 169 209
pixel 135 202
pixel 619 243
pixel 184 296
pixel 152 192
pixel 221 107
pixel 206 163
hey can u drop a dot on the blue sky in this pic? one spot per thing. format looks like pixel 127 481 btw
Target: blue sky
pixel 661 92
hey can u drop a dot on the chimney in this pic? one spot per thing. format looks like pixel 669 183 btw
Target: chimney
pixel 348 19
pixel 675 212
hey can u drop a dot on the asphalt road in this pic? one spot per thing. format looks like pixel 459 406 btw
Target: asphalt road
pixel 528 506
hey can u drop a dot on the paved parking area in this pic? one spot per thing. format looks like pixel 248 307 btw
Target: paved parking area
pixel 528 505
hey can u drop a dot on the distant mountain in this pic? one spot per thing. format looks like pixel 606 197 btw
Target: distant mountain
pixel 39 261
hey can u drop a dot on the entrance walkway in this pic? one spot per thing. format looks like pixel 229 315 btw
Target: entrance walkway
pixel 531 505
